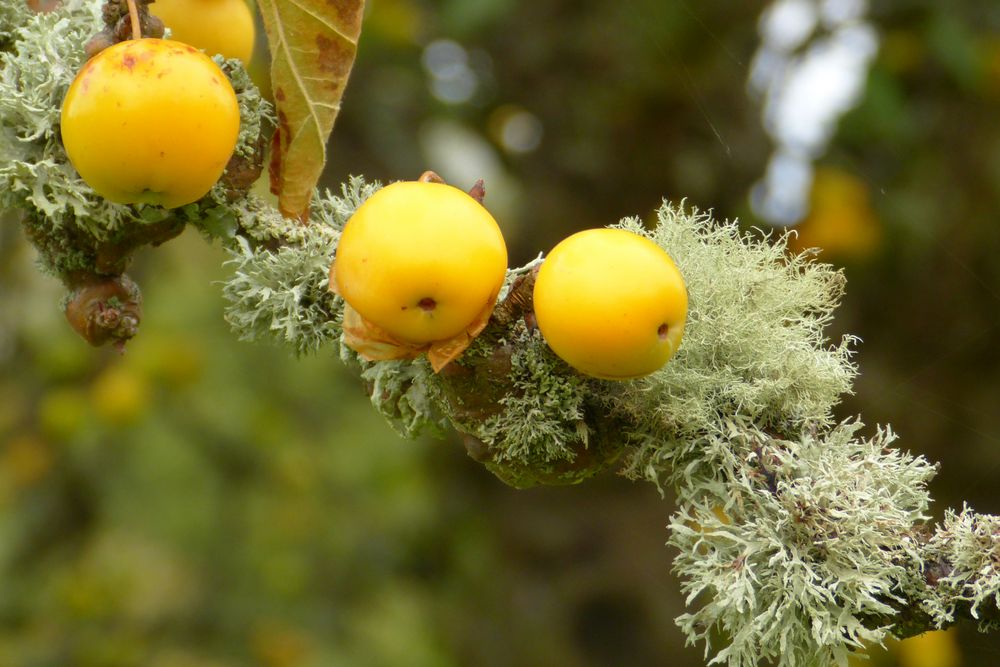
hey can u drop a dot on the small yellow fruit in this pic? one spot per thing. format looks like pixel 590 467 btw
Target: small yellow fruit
pixel 120 396
pixel 217 26
pixel 62 413
pixel 150 121
pixel 26 459
pixel 611 303
pixel 420 260
pixel 937 648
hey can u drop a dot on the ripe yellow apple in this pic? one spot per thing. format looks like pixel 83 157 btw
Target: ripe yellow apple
pixel 150 121
pixel 611 303
pixel 217 26
pixel 420 260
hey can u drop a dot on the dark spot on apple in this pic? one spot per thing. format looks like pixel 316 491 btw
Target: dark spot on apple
pixel 427 304
pixel 85 76
pixel 662 331
pixel 128 61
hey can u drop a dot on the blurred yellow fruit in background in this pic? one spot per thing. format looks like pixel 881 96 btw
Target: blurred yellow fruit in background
pixel 841 219
pixel 398 22
pixel 278 645
pixel 120 396
pixel 931 649
pixel 25 460
pixel 176 360
pixel 62 413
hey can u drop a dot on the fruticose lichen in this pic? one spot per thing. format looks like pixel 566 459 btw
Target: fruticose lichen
pixel 754 344
pixel 965 557
pixel 789 546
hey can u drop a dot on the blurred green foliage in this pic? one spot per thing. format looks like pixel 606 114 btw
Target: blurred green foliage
pixel 199 501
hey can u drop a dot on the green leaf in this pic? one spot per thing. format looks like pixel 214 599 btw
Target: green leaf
pixel 313 45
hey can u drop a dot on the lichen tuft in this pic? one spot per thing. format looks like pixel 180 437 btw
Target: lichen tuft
pixel 790 547
pixel 754 344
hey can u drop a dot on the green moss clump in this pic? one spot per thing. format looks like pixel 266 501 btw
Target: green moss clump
pixel 528 411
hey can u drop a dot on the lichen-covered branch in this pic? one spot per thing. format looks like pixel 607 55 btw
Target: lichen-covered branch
pixel 798 539
pixel 962 569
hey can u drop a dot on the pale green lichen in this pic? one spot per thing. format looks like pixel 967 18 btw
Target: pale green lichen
pixel 542 420
pixel 279 289
pixel 34 77
pixel 401 392
pixel 255 111
pixel 13 14
pixel 967 549
pixel 335 210
pixel 281 295
pixel 791 545
pixel 754 342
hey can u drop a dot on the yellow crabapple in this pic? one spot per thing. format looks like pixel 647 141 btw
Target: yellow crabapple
pixel 150 121
pixel 611 303
pixel 421 261
pixel 217 26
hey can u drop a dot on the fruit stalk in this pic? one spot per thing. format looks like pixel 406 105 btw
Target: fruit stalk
pixel 133 14
pixel 124 19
